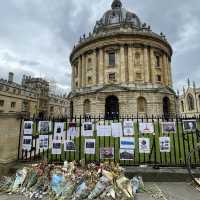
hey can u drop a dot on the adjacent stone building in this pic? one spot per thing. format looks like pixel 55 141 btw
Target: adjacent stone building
pixel 122 67
pixel 189 101
pixel 32 97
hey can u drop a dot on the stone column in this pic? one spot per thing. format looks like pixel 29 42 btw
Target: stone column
pixel 130 65
pixel 152 65
pixel 73 77
pixel 122 65
pixel 101 67
pixel 146 66
pixel 169 71
pixel 83 70
pixel 165 70
pixel 79 72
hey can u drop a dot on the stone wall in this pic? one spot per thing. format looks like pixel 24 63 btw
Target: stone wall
pixel 9 137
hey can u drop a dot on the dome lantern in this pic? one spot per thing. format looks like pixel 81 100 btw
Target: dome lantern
pixel 116 4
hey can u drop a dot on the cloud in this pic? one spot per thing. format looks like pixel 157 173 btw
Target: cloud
pixel 37 36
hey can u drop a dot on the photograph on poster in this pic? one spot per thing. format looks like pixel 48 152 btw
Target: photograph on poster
pixel 107 153
pixel 144 145
pixel 69 145
pixel 146 127
pixel 103 130
pixel 87 130
pixel 164 144
pixel 72 131
pixel 56 147
pixel 128 128
pixel 127 143
pixel 43 142
pixel 126 154
pixel 189 125
pixel 168 127
pixel 90 146
pixel 28 127
pixel 117 130
pixel 59 128
pixel 44 127
pixel 27 143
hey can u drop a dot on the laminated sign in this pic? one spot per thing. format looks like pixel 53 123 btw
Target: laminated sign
pixel 117 130
pixel 43 142
pixel 56 147
pixel 168 127
pixel 164 144
pixel 59 130
pixel 144 145
pixel 69 145
pixel 44 127
pixel 72 132
pixel 87 129
pixel 28 127
pixel 27 143
pixel 128 128
pixel 146 127
pixel 103 130
pixel 90 146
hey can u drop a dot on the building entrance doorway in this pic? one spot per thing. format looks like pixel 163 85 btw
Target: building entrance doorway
pixel 166 107
pixel 112 107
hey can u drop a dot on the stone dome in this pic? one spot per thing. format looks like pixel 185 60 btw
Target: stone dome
pixel 117 17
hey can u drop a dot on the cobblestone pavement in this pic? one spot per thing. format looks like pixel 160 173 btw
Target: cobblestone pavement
pixel 172 191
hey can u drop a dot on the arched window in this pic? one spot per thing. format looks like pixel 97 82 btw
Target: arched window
pixel 86 106
pixel 190 101
pixel 141 105
pixel 166 107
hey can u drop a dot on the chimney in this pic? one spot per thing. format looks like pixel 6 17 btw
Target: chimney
pixel 10 77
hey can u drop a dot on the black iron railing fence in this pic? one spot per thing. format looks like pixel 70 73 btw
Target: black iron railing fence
pixel 169 144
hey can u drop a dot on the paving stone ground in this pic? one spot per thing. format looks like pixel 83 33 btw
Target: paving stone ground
pixel 173 191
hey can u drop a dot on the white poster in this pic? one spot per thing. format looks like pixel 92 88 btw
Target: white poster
pixel 72 131
pixel 164 144
pixel 43 142
pixel 107 153
pixel 103 130
pixel 189 125
pixel 168 127
pixel 144 145
pixel 28 127
pixel 44 127
pixel 69 145
pixel 56 147
pixel 117 130
pixel 59 130
pixel 128 128
pixel 27 143
pixel 87 129
pixel 90 146
pixel 127 143
pixel 146 127
pixel 126 154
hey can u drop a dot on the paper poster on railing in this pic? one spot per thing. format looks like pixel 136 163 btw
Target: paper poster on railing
pixel 127 143
pixel 59 130
pixel 72 131
pixel 189 125
pixel 43 142
pixel 69 145
pixel 56 147
pixel 27 143
pixel 168 127
pixel 107 153
pixel 28 127
pixel 117 130
pixel 90 146
pixel 87 129
pixel 164 144
pixel 104 130
pixel 44 127
pixel 128 128
pixel 126 154
pixel 144 145
pixel 146 127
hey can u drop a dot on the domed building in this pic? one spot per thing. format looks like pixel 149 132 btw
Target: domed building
pixel 122 67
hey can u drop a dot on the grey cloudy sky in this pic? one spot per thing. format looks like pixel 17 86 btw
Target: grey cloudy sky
pixel 36 36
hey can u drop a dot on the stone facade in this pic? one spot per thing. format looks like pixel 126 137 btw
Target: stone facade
pixel 125 60
pixel 31 97
pixel 189 101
